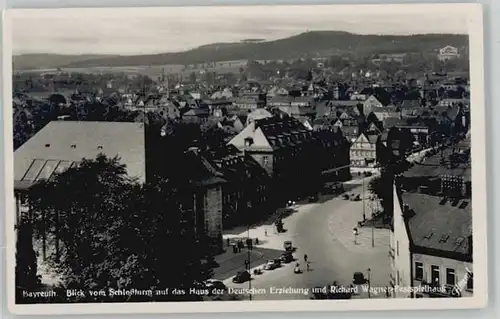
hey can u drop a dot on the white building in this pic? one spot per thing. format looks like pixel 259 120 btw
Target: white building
pixel 448 53
pixel 431 246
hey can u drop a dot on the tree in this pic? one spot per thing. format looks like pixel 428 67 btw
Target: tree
pixel 381 186
pixel 26 263
pixel 112 232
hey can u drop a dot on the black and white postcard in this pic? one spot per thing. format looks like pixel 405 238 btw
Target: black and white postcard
pixel 214 159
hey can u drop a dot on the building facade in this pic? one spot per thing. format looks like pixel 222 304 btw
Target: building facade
pixel 363 151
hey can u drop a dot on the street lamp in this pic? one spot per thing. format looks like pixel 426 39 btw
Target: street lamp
pixel 363 195
pixel 249 262
pixel 373 226
pixel 369 282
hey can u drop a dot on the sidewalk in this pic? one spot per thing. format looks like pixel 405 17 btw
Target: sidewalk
pixel 345 219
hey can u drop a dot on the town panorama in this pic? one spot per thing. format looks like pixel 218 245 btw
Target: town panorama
pixel 259 170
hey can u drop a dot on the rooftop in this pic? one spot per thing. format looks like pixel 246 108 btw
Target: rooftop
pixel 438 223
pixel 61 144
pixel 268 134
pixel 439 164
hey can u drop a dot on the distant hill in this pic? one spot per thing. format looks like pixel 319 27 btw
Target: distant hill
pixel 306 43
pixel 50 61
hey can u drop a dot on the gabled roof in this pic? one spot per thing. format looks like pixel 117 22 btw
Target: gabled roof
pixel 271 133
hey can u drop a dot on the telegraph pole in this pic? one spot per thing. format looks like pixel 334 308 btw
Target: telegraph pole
pixel 363 196
pixel 248 258
pixel 373 229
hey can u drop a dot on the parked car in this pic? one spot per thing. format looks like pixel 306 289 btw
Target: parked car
pixel 359 278
pixel 341 294
pixel 214 283
pixel 272 264
pixel 290 203
pixel 345 196
pixel 341 291
pixel 287 257
pixel 313 198
pixel 356 198
pixel 319 294
pixel 241 277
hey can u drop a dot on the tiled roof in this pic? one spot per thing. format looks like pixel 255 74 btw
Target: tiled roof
pixel 410 104
pixel 392 122
pixel 372 138
pixel 439 224
pixel 61 143
pixel 344 103
pixel 201 172
pixel 432 166
pixel 234 166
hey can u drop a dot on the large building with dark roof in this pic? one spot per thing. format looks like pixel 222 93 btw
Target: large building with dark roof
pixel 285 149
pixel 431 246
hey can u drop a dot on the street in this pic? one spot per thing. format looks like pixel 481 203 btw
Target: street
pixel 324 231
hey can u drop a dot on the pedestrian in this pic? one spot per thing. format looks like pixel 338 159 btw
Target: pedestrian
pixel 308 265
pixel 256 241
pixel 228 242
pixel 265 232
pixel 387 293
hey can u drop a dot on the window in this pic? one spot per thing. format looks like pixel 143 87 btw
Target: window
pixel 419 270
pixel 265 160
pixel 450 276
pixel 397 248
pixel 435 275
pixel 470 282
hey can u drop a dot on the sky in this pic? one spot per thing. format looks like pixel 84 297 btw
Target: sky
pixel 156 30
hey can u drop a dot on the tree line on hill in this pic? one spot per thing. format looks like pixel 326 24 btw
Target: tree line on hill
pixel 303 44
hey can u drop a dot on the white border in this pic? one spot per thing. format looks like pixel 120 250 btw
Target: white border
pixel 473 12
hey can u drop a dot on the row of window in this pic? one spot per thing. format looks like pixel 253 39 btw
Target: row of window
pixel 435 273
pixel 363 153
pixel 450 275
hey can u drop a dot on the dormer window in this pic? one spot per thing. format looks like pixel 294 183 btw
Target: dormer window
pixel 99 147
pixel 248 141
